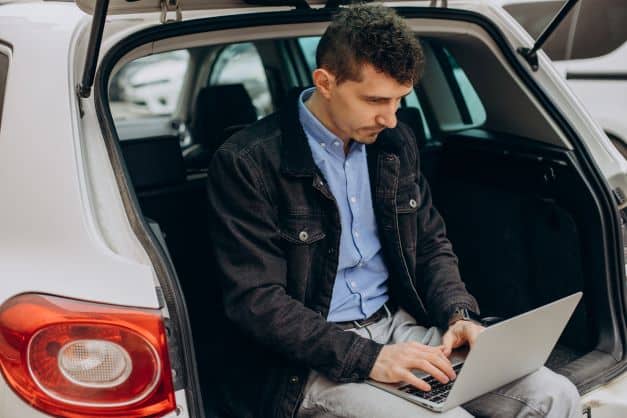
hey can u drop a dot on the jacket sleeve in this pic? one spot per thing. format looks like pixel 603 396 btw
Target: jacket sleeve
pixel 252 269
pixel 437 271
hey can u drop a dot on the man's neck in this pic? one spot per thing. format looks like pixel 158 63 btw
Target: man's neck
pixel 317 108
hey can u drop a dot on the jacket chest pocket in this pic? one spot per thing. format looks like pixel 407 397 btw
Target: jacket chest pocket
pixel 302 231
pixel 302 241
pixel 407 201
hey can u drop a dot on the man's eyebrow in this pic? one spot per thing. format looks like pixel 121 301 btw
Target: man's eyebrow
pixel 384 97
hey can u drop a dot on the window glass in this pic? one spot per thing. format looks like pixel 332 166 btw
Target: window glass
pixel 469 95
pixel 148 86
pixel 4 69
pixel 241 63
pixel 308 46
pixel 411 100
pixel 601 28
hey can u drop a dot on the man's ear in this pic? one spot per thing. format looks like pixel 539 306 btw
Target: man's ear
pixel 324 81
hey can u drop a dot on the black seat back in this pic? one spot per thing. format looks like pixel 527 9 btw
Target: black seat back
pixel 220 111
pixel 154 163
pixel 429 154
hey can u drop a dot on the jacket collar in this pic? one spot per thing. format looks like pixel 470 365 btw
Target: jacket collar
pixel 296 157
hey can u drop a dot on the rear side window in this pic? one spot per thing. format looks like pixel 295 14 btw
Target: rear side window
pixel 447 89
pixel 148 86
pixel 475 112
pixel 308 47
pixel 4 70
pixel 241 63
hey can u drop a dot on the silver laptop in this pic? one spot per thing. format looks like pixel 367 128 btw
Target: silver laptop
pixel 502 353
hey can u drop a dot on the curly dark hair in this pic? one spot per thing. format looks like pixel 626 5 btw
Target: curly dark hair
pixel 370 34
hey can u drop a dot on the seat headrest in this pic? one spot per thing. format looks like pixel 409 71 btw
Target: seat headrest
pixel 219 108
pixel 412 118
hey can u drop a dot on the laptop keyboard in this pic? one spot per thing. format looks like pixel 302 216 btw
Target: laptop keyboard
pixel 439 391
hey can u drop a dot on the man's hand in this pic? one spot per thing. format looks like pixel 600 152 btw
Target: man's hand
pixel 460 333
pixel 396 362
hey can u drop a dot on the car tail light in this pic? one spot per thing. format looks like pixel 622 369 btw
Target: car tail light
pixel 70 358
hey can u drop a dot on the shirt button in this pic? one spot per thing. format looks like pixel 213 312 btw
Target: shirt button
pixel 294 380
pixel 356 233
pixel 303 236
pixel 412 203
pixel 360 264
pixel 353 199
pixel 353 284
pixel 336 143
pixel 322 144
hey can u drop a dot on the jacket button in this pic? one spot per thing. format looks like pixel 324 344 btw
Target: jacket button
pixel 303 236
pixel 294 380
pixel 412 203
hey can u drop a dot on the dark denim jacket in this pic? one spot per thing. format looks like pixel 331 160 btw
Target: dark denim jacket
pixel 276 236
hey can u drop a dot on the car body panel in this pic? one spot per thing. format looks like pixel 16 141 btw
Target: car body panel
pixel 12 405
pixel 49 161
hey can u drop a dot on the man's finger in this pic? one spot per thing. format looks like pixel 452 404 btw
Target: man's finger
pixel 443 364
pixel 447 343
pixel 411 378
pixel 426 366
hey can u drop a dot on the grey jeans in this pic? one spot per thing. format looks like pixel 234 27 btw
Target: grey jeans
pixel 540 394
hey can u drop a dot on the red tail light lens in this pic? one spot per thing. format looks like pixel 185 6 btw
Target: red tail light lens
pixel 78 359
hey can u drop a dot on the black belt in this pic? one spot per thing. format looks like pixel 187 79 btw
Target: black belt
pixel 375 317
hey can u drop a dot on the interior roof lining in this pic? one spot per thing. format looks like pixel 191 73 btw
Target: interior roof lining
pixel 536 124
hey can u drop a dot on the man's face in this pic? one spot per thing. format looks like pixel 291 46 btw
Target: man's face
pixel 360 110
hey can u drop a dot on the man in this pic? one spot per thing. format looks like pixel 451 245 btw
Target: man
pixel 333 261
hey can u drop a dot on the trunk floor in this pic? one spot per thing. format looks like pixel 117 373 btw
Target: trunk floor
pixel 560 356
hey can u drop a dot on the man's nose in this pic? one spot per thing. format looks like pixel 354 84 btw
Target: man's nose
pixel 388 118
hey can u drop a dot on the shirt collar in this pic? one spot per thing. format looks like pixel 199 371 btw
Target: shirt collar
pixel 317 132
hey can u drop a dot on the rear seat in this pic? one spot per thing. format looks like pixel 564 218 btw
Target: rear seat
pixel 177 204
pixel 220 111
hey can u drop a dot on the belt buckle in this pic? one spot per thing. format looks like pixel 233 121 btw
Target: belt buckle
pixel 360 326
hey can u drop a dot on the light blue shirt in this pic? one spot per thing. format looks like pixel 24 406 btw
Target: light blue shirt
pixel 360 287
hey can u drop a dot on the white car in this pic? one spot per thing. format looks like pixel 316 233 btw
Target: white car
pixel 108 285
pixel 155 86
pixel 590 51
